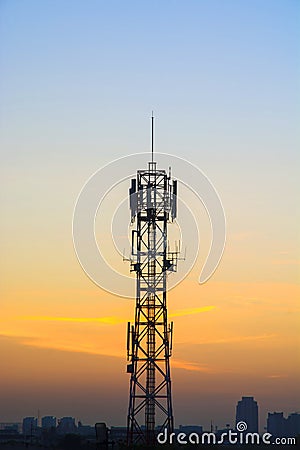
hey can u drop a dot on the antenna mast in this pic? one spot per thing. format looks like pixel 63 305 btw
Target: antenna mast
pixel 152 136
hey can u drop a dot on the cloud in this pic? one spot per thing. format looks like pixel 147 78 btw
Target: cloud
pixel 285 262
pixel 62 346
pixel 188 365
pixel 244 338
pixel 232 339
pixel 190 311
pixel 92 349
pixel 276 376
pixel 71 347
pixel 110 320
pixel 15 338
pixel 30 341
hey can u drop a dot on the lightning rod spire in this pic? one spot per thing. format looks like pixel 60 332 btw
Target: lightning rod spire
pixel 152 136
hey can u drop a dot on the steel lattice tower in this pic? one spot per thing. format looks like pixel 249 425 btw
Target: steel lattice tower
pixel 149 342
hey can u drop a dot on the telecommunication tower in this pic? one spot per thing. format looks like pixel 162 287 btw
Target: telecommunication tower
pixel 153 206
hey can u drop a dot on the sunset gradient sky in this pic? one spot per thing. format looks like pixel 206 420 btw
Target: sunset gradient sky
pixel 78 83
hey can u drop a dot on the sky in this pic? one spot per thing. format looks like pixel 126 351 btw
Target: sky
pixel 78 83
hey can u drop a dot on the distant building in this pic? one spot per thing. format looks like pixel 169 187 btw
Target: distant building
pixel 66 425
pixel 223 433
pixel 118 434
pixel 276 424
pixel 293 424
pixel 101 433
pixel 279 426
pixel 29 427
pixel 48 422
pixel 247 411
pixel 187 429
pixel 10 427
pixel 86 430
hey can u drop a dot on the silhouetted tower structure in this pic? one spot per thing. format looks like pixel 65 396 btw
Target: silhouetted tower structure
pixel 149 343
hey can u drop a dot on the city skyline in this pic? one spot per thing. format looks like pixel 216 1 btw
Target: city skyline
pixel 43 420
pixel 78 84
pixel 272 419
pixel 52 431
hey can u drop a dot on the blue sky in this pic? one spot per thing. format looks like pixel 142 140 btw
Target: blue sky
pixel 224 75
pixel 79 81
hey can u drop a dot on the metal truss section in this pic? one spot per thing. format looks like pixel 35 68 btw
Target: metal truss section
pixel 149 340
